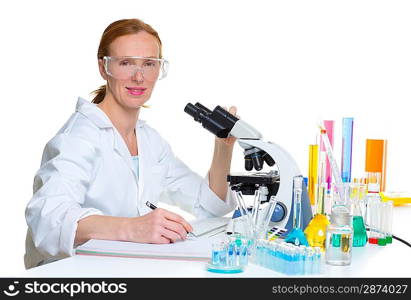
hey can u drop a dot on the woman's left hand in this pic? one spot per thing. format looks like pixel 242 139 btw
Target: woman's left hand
pixel 229 141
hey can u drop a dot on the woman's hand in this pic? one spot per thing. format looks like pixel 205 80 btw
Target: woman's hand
pixel 157 227
pixel 229 141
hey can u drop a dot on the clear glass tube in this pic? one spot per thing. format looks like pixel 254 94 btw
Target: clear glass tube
pixel 388 215
pixel 244 214
pixel 322 184
pixel 265 217
pixel 374 217
pixel 346 157
pixel 298 182
pixel 313 173
pixel 328 126
pixel 333 163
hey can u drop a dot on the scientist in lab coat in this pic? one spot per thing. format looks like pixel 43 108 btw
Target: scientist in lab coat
pixel 102 166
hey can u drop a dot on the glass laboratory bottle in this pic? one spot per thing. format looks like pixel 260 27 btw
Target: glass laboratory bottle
pixel 339 237
pixel 360 232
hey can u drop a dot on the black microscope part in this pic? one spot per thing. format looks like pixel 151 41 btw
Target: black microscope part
pixel 247 184
pixel 268 159
pixel 219 121
pixel 257 160
pixel 248 163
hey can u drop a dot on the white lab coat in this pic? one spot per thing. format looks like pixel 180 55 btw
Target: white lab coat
pixel 86 169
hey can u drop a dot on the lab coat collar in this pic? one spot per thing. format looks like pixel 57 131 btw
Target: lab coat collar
pixel 96 115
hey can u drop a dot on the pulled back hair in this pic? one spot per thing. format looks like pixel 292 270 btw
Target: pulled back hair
pixel 114 30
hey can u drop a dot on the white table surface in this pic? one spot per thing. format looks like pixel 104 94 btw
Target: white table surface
pixel 370 261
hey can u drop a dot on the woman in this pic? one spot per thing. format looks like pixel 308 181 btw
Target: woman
pixel 103 165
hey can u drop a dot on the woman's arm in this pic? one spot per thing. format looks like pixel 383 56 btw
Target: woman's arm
pixel 221 163
pixel 100 227
pixel 159 227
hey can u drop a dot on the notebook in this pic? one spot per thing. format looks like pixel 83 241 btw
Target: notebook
pixel 209 226
pixel 196 249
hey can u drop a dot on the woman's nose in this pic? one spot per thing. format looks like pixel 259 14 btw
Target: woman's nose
pixel 138 76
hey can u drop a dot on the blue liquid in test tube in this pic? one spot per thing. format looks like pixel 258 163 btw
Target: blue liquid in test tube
pixel 347 134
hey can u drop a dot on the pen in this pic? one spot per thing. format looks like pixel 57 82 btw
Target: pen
pixel 153 207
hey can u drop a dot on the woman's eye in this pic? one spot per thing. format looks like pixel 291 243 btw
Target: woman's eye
pixel 150 64
pixel 124 63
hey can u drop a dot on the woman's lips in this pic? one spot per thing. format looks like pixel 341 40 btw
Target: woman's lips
pixel 135 91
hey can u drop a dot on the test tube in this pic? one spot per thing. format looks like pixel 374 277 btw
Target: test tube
pixel 298 182
pixel 329 128
pixel 215 253
pixel 375 162
pixel 313 173
pixel 374 218
pixel 223 254
pixel 333 164
pixel 231 254
pixel 346 157
pixel 244 212
pixel 243 255
pixel 388 215
pixel 309 261
pixel 317 260
pixel 386 219
pixel 322 184
pixel 300 259
pixel 264 220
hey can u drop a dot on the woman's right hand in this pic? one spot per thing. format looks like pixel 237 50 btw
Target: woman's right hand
pixel 157 227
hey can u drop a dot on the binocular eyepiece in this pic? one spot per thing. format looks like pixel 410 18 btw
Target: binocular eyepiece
pixel 219 121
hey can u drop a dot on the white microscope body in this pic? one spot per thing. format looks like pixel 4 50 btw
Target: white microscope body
pixel 247 138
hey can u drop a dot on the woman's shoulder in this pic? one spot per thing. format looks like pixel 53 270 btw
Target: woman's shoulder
pixel 78 129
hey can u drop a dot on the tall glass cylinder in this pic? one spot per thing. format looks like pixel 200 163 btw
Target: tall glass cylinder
pixel 313 174
pixel 329 126
pixel 346 157
pixel 375 162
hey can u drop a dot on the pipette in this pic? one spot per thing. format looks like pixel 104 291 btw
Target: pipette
pixel 270 210
pixel 244 213
pixel 334 166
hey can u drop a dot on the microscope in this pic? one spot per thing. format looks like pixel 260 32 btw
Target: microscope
pixel 274 190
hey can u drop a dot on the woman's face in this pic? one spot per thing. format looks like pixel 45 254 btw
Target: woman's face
pixel 133 92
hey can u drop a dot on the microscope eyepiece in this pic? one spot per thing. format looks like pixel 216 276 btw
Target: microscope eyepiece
pixel 219 121
pixel 257 160
pixel 192 111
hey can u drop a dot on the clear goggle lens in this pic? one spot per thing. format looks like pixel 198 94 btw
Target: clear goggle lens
pixel 125 67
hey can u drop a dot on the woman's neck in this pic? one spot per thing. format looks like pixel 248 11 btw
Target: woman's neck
pixel 123 119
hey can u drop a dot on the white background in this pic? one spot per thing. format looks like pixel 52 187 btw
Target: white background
pixel 284 64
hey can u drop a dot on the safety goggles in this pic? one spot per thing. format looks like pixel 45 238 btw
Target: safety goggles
pixel 125 67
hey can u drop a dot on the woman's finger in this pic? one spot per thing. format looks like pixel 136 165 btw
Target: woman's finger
pixel 171 235
pixel 233 110
pixel 179 219
pixel 177 228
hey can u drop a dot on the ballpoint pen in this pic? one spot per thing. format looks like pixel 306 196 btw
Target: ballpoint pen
pixel 153 207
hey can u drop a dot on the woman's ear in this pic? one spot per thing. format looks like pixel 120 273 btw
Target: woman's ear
pixel 102 69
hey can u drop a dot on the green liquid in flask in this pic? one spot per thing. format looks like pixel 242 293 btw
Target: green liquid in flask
pixel 360 233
